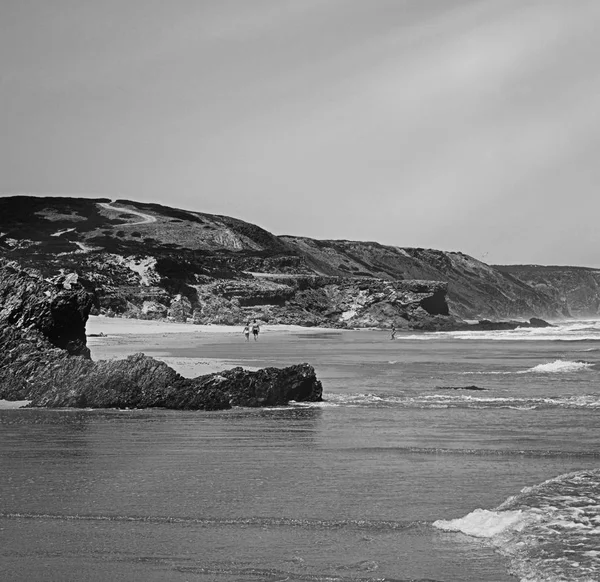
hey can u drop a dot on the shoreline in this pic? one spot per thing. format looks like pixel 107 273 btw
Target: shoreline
pixel 111 338
pixel 98 324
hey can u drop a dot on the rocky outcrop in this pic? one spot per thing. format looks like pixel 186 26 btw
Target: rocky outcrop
pixel 325 301
pixel 44 359
pixel 30 369
pixel 472 388
pixel 57 310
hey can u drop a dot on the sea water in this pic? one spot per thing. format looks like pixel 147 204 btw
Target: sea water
pixel 436 456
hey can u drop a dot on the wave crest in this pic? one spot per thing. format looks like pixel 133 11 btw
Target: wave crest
pixel 550 531
pixel 559 367
pixel 483 523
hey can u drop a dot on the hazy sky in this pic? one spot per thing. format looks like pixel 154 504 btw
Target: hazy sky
pixel 466 125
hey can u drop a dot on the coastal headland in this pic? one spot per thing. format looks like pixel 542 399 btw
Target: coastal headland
pixel 150 261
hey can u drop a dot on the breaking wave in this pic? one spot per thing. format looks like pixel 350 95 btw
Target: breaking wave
pixel 483 523
pixel 549 532
pixel 559 367
pixel 555 367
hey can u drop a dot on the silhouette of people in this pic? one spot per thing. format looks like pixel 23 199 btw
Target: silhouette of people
pixel 393 335
pixel 247 332
pixel 255 329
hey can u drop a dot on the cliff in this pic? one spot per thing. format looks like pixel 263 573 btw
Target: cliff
pixel 475 290
pixel 152 261
pixel 44 359
pixel 577 288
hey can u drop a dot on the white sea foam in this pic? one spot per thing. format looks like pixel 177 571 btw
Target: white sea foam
pixel 582 401
pixel 554 367
pixel 561 331
pixel 483 523
pixel 549 532
pixel 357 399
pixel 559 367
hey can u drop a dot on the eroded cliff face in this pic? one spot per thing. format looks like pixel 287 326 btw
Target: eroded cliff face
pixel 577 288
pixel 152 261
pixel 306 300
pixel 325 301
pixel 475 290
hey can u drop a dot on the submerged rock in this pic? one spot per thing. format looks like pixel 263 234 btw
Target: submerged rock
pixel 472 387
pixel 537 322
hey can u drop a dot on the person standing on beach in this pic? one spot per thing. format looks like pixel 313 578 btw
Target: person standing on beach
pixel 255 329
pixel 247 332
pixel 393 336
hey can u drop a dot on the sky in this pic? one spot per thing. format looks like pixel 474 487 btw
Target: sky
pixel 460 125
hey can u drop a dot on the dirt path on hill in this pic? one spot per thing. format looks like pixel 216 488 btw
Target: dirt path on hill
pixel 147 217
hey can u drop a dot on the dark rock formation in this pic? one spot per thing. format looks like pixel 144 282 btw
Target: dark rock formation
pixel 58 313
pixel 31 369
pixel 43 358
pixel 537 322
pixel 472 388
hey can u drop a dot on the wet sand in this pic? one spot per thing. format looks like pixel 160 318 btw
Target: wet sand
pixel 191 349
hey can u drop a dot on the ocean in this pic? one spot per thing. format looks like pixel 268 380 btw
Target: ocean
pixel 467 456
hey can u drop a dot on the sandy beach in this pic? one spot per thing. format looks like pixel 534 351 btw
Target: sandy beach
pixel 180 345
pixel 123 326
